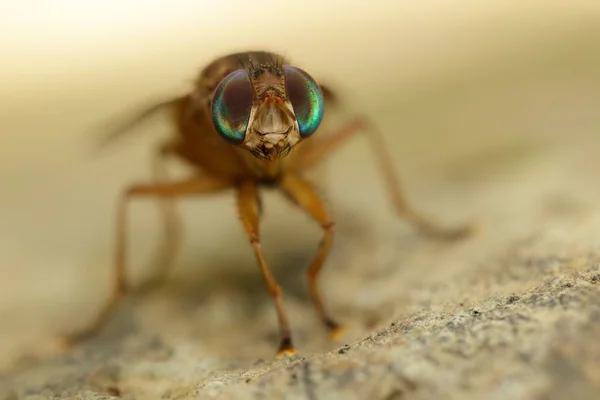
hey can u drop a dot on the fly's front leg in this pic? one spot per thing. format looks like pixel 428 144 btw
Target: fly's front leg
pixel 304 196
pixel 249 213
pixel 319 148
pixel 192 187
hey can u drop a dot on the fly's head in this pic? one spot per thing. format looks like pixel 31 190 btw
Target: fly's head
pixel 267 108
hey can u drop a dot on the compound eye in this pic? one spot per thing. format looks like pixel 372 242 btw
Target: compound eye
pixel 306 98
pixel 231 105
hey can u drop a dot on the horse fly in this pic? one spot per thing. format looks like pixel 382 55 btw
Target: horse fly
pixel 251 122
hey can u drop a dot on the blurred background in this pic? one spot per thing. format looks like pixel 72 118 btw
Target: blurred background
pixel 467 93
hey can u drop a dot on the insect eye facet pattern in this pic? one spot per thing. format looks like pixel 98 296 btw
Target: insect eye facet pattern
pixel 306 98
pixel 231 106
pixel 238 128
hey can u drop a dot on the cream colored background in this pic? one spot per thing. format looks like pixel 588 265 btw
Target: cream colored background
pixel 419 67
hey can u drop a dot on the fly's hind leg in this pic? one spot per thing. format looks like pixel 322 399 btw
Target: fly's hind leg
pixel 163 261
pixel 197 185
pixel 320 147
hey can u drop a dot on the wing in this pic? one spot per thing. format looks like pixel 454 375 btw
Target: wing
pixel 115 129
pixel 330 96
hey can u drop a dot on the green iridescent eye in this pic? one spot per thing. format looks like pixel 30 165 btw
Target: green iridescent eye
pixel 306 98
pixel 231 106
